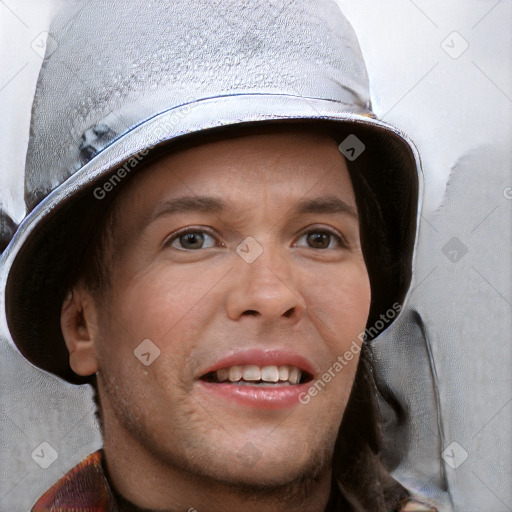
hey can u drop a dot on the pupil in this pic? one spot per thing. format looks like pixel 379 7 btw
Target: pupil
pixel 192 236
pixel 315 237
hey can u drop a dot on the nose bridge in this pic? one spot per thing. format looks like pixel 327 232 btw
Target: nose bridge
pixel 265 286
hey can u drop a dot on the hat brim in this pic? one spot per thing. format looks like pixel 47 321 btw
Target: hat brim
pixel 52 239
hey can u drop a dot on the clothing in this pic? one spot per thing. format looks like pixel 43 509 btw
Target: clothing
pixel 85 488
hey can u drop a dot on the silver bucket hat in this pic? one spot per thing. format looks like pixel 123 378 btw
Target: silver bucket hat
pixel 120 81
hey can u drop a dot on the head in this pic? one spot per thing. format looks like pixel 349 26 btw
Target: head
pixel 174 276
pixel 310 290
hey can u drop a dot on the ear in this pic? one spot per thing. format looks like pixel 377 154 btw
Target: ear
pixel 79 324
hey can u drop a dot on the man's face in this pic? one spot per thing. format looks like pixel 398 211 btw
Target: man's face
pixel 295 294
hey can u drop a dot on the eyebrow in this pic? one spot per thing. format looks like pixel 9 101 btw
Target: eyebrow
pixel 208 204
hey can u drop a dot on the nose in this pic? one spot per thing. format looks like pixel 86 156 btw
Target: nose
pixel 266 288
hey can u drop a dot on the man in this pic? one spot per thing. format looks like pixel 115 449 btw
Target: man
pixel 218 227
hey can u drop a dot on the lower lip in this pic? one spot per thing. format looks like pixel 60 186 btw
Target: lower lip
pixel 280 397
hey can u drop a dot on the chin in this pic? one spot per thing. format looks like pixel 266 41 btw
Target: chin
pixel 270 467
pixel 265 475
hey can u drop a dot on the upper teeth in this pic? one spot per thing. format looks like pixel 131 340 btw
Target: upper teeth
pixel 252 372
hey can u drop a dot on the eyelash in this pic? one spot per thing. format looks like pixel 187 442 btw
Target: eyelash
pixel 340 239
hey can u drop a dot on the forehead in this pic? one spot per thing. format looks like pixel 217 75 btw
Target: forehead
pixel 286 157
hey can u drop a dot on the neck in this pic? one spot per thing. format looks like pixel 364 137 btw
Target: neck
pixel 149 482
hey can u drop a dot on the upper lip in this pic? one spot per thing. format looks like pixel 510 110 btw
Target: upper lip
pixel 262 358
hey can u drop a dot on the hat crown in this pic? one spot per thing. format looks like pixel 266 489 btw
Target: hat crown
pixel 108 69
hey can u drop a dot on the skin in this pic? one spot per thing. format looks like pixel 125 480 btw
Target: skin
pixel 169 444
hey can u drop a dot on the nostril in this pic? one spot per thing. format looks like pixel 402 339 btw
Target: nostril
pixel 289 313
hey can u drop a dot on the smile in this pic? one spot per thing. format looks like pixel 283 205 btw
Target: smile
pixel 251 374
pixel 247 379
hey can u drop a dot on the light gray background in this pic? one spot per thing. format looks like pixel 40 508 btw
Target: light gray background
pixel 448 359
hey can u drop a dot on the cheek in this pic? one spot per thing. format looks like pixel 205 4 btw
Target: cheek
pixel 160 305
pixel 342 300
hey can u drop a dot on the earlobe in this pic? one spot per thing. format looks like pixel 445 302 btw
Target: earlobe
pixel 78 322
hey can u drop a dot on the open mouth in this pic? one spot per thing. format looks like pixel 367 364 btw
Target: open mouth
pixel 253 375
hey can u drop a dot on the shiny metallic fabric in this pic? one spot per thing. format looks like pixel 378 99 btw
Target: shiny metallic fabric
pixel 120 79
pixel 160 59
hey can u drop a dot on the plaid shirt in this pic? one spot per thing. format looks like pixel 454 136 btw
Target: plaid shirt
pixel 86 489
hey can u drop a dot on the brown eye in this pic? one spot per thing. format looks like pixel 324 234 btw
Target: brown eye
pixel 190 240
pixel 319 240
pixel 322 239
